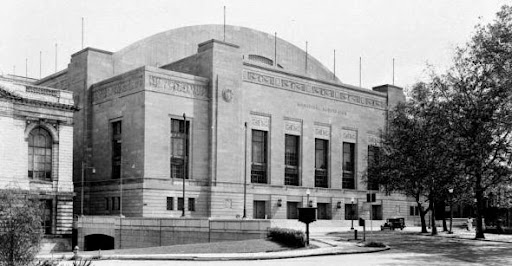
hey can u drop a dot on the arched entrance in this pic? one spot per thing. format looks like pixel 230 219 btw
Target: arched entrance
pixel 98 241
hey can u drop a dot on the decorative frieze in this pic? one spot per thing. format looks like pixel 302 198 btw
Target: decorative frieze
pixel 373 140
pixel 349 135
pixel 330 93
pixel 177 87
pixel 323 132
pixel 117 87
pixel 260 122
pixel 292 127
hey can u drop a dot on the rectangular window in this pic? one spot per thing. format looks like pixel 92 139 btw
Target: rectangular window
pixel 170 203
pixel 116 149
pixel 107 204
pixel 180 204
pixel 348 180
pixel 114 204
pixel 351 212
pixel 291 160
pixel 259 157
pixel 191 204
pixel 179 148
pixel 414 211
pixel 373 157
pixel 292 210
pixel 321 149
pixel 323 211
pixel 376 212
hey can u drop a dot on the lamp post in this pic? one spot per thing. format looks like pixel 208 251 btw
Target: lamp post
pixel 352 214
pixel 83 181
pixel 184 163
pixel 450 190
pixel 245 171
pixel 307 198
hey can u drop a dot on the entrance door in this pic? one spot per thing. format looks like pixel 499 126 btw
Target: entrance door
pixel 259 209
pixel 322 211
pixel 292 210
pixel 46 219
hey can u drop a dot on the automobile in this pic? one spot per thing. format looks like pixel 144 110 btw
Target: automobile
pixel 393 223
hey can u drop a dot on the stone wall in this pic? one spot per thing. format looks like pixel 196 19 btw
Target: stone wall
pixel 150 232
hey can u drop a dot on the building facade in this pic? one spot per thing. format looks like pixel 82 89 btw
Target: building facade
pixel 36 144
pixel 251 126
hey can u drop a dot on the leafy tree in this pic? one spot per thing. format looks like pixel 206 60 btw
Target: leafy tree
pixel 414 158
pixel 20 227
pixel 476 96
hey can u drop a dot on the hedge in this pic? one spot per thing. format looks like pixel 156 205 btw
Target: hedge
pixel 288 237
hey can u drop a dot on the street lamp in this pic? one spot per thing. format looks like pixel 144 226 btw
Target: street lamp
pixel 450 190
pixel 245 171
pixel 185 162
pixel 352 214
pixel 83 181
pixel 307 194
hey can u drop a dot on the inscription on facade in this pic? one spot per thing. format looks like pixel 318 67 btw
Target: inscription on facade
pixel 254 77
pixel 292 127
pixel 349 135
pixel 321 108
pixel 260 122
pixel 117 87
pixel 178 87
pixel 322 131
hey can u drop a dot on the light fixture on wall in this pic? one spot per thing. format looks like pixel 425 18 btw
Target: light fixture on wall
pixel 338 205
pixel 279 202
pixel 310 203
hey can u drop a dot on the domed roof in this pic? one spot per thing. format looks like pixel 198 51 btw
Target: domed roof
pixel 169 46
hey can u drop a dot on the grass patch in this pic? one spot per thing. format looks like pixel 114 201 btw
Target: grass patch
pixel 242 246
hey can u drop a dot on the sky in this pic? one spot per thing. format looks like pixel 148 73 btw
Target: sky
pixel 413 32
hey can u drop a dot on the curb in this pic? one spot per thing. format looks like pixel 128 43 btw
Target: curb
pixel 474 239
pixel 224 257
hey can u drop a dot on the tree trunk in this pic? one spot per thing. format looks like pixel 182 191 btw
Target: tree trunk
pixel 442 215
pixel 479 208
pixel 422 218
pixel 433 215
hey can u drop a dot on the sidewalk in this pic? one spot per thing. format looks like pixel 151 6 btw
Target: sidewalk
pixel 464 234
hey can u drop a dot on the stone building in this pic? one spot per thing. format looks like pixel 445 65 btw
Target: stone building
pixel 36 145
pixel 184 106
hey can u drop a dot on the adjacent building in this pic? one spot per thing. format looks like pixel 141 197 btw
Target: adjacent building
pixel 36 145
pixel 249 125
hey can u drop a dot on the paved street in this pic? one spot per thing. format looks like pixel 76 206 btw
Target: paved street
pixel 407 248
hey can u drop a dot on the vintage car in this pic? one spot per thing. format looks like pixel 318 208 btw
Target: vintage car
pixel 393 223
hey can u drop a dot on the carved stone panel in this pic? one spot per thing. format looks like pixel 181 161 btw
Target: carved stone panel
pixel 260 122
pixel 292 127
pixel 373 140
pixel 349 135
pixel 323 132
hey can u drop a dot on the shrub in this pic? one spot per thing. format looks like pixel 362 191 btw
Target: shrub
pixel 374 244
pixel 288 237
pixel 20 224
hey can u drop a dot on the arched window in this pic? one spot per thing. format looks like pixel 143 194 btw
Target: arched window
pixel 40 154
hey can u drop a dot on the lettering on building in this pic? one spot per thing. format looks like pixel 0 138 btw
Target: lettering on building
pixel 330 93
pixel 322 109
pixel 178 87
pixel 117 87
